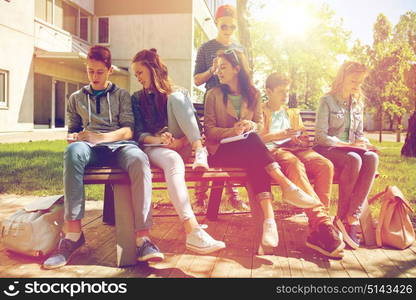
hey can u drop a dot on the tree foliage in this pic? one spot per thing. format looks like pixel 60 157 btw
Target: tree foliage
pixel 388 59
pixel 244 28
pixel 310 60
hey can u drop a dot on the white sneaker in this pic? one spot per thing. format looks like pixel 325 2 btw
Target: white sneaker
pixel 297 197
pixel 199 241
pixel 201 160
pixel 270 237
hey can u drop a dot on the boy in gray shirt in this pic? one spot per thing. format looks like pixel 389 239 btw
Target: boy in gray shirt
pixel 100 129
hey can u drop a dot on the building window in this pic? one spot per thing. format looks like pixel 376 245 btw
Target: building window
pixel 4 76
pixel 66 16
pixel 44 10
pixel 70 17
pixel 103 30
pixel 84 26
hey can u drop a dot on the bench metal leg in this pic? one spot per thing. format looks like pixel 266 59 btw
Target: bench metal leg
pixel 125 234
pixel 108 210
pixel 215 199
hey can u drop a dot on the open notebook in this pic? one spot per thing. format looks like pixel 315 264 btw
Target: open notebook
pixel 236 138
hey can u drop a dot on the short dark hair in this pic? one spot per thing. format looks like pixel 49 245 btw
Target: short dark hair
pixel 276 79
pixel 100 53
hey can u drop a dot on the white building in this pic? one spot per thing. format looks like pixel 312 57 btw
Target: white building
pixel 43 46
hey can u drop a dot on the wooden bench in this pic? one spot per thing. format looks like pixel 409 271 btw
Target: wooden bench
pixel 117 198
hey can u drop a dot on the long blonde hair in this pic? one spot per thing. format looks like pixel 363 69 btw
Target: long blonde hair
pixel 346 69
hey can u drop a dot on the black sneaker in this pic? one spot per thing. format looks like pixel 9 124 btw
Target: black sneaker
pixel 149 252
pixel 326 240
pixel 61 256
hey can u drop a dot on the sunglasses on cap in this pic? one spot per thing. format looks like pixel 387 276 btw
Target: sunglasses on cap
pixel 225 27
pixel 233 54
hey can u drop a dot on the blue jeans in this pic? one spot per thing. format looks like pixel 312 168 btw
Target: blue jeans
pixel 356 175
pixel 128 157
pixel 181 117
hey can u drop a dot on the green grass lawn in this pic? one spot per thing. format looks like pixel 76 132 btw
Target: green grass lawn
pixel 35 168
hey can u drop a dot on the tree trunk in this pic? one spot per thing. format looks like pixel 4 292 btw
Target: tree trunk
pixel 243 30
pixel 306 89
pixel 391 122
pixel 409 147
pixel 399 129
pixel 380 135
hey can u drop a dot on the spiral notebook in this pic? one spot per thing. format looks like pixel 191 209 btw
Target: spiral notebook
pixel 236 138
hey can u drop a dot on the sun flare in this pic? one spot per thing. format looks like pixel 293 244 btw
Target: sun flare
pixel 291 18
pixel 294 22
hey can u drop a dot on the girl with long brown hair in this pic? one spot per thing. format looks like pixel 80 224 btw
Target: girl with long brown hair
pixel 205 73
pixel 233 109
pixel 165 124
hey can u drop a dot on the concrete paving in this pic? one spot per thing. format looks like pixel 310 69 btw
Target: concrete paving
pixel 386 137
pixel 36 135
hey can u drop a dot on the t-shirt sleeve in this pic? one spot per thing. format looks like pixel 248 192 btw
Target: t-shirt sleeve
pixel 74 119
pixel 200 65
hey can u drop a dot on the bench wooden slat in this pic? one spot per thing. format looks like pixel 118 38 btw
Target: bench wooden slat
pixel 106 178
pixel 234 174
pixel 104 175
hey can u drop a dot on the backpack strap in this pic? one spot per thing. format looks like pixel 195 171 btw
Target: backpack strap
pixel 376 197
pixel 396 194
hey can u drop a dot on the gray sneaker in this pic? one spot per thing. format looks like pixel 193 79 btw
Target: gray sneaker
pixel 61 256
pixel 149 252
pixel 349 233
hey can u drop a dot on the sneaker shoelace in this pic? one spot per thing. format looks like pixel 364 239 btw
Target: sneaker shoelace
pixel 200 154
pixel 269 227
pixel 205 238
pixel 65 245
pixel 148 244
